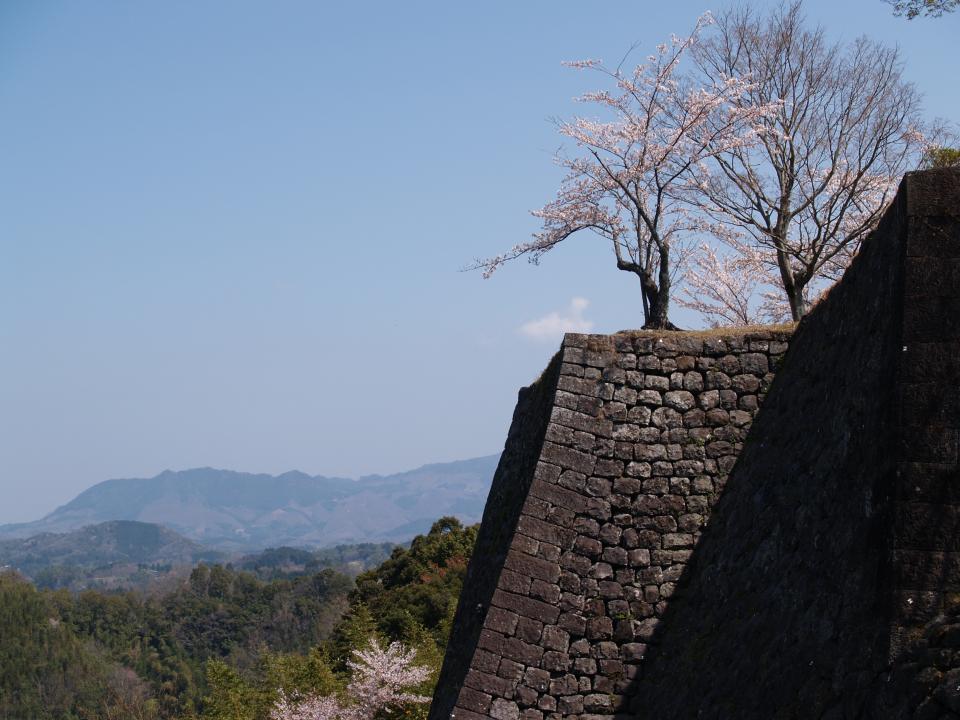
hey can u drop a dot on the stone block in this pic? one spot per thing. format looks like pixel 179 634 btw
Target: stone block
pixel 526 607
pixel 501 709
pixel 490 684
pixel 501 621
pixel 523 652
pixel 474 700
pixel 545 531
pixel 533 567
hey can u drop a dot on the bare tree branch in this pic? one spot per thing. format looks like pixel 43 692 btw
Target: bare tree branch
pixel 847 128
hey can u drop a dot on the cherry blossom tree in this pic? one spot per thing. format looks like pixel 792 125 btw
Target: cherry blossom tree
pixel 733 287
pixel 381 680
pixel 629 183
pixel 828 160
pixel 311 707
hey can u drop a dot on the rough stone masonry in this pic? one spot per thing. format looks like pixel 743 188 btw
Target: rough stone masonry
pixel 641 554
pixel 827 584
pixel 642 431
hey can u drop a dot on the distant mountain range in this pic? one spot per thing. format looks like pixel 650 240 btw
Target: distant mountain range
pixel 234 511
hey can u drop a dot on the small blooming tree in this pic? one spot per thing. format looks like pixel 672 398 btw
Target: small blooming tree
pixel 381 680
pixel 732 288
pixel 629 184
pixel 311 707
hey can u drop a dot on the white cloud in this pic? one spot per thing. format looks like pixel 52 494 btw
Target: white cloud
pixel 552 326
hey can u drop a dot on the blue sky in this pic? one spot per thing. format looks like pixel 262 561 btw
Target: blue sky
pixel 231 233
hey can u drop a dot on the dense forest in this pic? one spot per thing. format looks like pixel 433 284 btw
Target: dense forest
pixel 225 642
pixel 288 562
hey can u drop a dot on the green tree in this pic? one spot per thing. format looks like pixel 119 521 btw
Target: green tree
pixel 294 673
pixel 352 633
pixel 418 588
pixel 914 8
pixel 941 157
pixel 229 698
pixel 46 671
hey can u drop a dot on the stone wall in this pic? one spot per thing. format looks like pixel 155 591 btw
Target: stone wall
pixel 817 590
pixel 508 492
pixel 574 566
pixel 655 560
pixel 926 530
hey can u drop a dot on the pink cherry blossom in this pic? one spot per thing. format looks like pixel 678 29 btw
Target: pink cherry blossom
pixel 381 680
pixel 732 288
pixel 631 180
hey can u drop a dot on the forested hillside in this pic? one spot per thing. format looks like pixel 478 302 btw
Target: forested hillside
pixel 290 562
pixel 111 555
pixel 224 642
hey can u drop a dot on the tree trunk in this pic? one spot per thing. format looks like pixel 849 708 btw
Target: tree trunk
pixel 798 304
pixel 658 319
pixel 649 293
pixel 791 284
pixel 656 297
pixel 793 287
pixel 658 294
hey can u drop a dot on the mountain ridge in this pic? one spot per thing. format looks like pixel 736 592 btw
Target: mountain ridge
pixel 230 510
pixel 103 545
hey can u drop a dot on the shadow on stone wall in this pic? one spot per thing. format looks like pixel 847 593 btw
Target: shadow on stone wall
pixel 836 538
